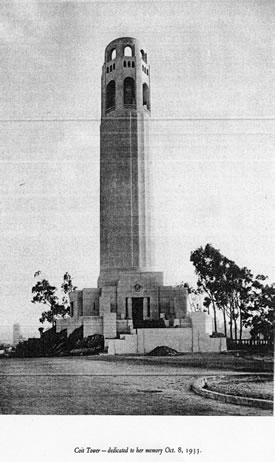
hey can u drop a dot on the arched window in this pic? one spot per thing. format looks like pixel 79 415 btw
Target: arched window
pixel 143 55
pixel 146 96
pixel 111 95
pixel 129 91
pixel 128 51
pixel 113 53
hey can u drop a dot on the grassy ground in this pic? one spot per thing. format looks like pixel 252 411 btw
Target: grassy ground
pixel 251 387
pixel 210 361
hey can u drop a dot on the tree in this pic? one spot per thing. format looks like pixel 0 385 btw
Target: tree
pixel 260 315
pixel 243 299
pixel 46 294
pixel 210 267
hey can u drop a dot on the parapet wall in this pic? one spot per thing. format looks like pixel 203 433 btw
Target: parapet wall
pixel 182 339
pixel 70 324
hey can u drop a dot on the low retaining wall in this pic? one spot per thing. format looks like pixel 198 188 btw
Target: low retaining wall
pixel 70 324
pixel 180 339
pixel 199 384
pixel 183 340
pixel 92 325
pixel 194 339
pixel 127 344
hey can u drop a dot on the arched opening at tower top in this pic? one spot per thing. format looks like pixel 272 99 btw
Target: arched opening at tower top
pixel 128 51
pixel 111 95
pixel 143 56
pixel 146 96
pixel 129 91
pixel 111 54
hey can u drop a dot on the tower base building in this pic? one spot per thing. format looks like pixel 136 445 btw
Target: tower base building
pixel 131 307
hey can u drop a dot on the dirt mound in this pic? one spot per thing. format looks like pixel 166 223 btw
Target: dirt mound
pixel 163 351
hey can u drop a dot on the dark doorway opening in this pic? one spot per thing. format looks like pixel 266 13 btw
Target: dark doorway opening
pixel 137 306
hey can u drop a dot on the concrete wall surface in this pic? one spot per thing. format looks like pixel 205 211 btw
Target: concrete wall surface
pixel 76 298
pixel 109 325
pixel 92 325
pixel 68 323
pixel 183 340
pixel 91 302
pixel 126 345
pixel 202 322
pixel 180 339
pixel 124 326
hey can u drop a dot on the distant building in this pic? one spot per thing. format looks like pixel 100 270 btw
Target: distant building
pixel 16 334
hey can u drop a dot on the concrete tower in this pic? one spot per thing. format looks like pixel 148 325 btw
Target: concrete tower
pixel 131 307
pixel 130 295
pixel 125 229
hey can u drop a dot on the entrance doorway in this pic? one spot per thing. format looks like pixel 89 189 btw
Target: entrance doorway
pixel 137 306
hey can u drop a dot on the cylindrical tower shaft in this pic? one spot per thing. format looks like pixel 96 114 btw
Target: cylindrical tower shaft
pixel 124 161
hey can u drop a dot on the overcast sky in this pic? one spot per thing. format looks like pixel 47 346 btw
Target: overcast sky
pixel 212 137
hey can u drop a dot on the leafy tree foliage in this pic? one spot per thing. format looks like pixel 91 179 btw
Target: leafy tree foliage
pixel 47 294
pixel 260 315
pixel 243 299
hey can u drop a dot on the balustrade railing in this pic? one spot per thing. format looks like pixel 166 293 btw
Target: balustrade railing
pixel 249 344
